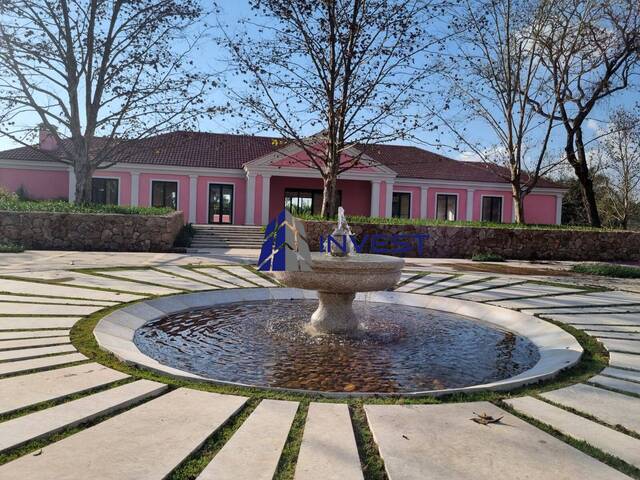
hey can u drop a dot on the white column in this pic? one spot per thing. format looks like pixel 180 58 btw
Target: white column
pixel 266 195
pixel 193 197
pixel 375 198
pixel 470 204
pixel 514 208
pixel 424 192
pixel 250 198
pixel 559 208
pixel 135 189
pixel 72 185
pixel 388 199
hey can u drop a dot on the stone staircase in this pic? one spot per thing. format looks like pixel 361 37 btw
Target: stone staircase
pixel 227 236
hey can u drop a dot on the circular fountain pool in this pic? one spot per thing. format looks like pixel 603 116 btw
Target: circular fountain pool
pixel 398 348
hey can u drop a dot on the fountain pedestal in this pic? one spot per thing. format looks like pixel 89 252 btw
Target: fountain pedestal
pixel 337 280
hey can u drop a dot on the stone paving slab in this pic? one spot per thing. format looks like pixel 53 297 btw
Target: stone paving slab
pixel 606 439
pixel 33 342
pixel 596 319
pixel 254 450
pixel 226 277
pixel 24 353
pixel 33 334
pixel 614 335
pixel 23 323
pixel 616 384
pixel 424 281
pixel 144 443
pixel 453 282
pixel 53 301
pixel 624 360
pixel 7 368
pixel 72 278
pixel 199 277
pixel 575 300
pixel 521 290
pixel 26 390
pixel 582 310
pixel 159 278
pixel 624 374
pixel 35 288
pixel 609 407
pixel 8 308
pixel 328 450
pixel 436 442
pixel 607 329
pixel 477 287
pixel 47 422
pixel 617 345
pixel 248 275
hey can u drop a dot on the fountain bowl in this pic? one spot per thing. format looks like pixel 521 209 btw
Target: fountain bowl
pixel 337 280
pixel 350 274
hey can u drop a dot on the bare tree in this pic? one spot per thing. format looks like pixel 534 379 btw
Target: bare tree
pixel 590 49
pixel 96 74
pixel 344 70
pixel 621 148
pixel 494 73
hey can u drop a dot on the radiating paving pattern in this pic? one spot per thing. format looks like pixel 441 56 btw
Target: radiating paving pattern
pixel 138 429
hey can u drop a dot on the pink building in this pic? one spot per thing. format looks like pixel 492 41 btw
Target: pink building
pixel 246 180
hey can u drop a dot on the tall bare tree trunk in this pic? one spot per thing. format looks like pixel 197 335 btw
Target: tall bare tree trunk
pixel 329 197
pixel 518 204
pixel 84 174
pixel 578 159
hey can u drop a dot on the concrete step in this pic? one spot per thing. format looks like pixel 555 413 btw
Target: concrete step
pixel 7 368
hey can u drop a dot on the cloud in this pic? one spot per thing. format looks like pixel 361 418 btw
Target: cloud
pixel 468 157
pixel 593 125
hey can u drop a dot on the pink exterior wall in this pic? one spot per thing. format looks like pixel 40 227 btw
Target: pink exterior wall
pixel 38 184
pixel 462 201
pixel 540 208
pixel 144 193
pixel 356 194
pixel 415 198
pixel 124 184
pixel 301 160
pixel 202 203
pixel 507 204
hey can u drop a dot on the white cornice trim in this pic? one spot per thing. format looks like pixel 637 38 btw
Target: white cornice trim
pixel 471 185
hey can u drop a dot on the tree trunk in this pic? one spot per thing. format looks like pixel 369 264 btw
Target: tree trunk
pixel 578 159
pixel 518 204
pixel 329 197
pixel 84 174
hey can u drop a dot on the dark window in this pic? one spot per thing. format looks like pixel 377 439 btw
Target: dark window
pixel 164 194
pixel 104 191
pixel 447 207
pixel 401 205
pixel 492 209
pixel 305 201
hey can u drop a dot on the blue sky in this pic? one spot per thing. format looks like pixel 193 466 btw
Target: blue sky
pixel 214 59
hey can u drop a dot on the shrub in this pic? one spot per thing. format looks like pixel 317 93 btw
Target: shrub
pixel 607 270
pixel 6 195
pixel 185 236
pixel 8 247
pixel 13 204
pixel 487 257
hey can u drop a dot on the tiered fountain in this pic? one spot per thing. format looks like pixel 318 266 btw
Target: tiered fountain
pixel 337 276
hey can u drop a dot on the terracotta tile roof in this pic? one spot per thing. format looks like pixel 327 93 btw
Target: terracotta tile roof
pixel 214 150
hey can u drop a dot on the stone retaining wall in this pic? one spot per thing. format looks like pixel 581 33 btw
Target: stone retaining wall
pixel 90 231
pixel 511 243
